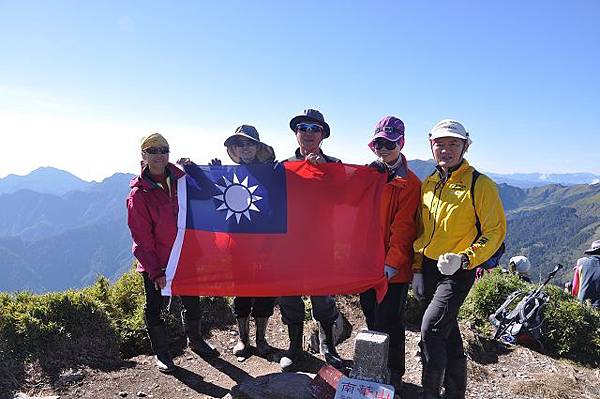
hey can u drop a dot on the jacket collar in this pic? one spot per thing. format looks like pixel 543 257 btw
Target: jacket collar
pixel 454 173
pixel 299 155
pixel 398 176
pixel 144 182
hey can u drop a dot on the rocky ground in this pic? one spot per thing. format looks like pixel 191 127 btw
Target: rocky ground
pixel 507 373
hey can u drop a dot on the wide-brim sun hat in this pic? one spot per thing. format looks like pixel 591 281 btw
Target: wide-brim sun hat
pixel 264 152
pixel 311 116
pixel 449 128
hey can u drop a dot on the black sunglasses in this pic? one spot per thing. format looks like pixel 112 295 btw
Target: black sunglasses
pixel 244 143
pixel 157 150
pixel 383 143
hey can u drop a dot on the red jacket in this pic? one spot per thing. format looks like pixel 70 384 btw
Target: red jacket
pixel 400 202
pixel 152 219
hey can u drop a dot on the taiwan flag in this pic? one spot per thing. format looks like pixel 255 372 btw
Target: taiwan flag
pixel 282 229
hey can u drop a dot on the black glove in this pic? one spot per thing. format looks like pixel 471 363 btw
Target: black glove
pixel 378 166
pixel 215 162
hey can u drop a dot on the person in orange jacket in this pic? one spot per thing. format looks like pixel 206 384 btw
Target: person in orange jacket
pixel 398 212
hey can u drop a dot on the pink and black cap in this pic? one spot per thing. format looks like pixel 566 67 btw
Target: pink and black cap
pixel 310 116
pixel 389 128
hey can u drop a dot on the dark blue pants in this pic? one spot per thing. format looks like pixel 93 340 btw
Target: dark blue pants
pixel 255 306
pixel 388 317
pixel 154 303
pixel 324 309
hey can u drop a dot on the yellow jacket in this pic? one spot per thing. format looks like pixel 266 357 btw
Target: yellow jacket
pixel 448 219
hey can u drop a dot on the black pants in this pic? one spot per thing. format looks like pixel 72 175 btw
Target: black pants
pixel 388 317
pixel 441 343
pixel 154 302
pixel 324 309
pixel 244 306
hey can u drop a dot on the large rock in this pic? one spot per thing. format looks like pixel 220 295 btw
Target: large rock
pixel 371 357
pixel 274 386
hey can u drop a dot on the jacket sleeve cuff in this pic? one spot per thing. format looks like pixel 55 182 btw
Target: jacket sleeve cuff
pixel 156 273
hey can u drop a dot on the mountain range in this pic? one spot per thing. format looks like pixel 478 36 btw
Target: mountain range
pixel 58 231
pixel 64 236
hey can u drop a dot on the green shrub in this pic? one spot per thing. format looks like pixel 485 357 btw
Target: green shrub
pixel 487 295
pixel 56 331
pixel 124 302
pixel 413 313
pixel 571 329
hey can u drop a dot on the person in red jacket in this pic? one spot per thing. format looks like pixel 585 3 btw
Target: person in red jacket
pixel 152 218
pixel 399 205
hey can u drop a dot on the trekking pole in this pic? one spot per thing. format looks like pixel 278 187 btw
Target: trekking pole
pixel 550 276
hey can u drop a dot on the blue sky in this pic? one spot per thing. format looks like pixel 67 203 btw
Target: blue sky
pixel 82 81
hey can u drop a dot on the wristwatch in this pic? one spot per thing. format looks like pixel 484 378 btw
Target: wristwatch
pixel 464 264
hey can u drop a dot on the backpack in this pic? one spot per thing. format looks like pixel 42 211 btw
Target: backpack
pixel 494 260
pixel 523 323
pixel 519 320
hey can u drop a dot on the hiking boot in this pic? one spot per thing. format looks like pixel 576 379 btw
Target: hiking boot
pixel 455 381
pixel 241 347
pixel 197 344
pixel 295 352
pixel 331 355
pixel 397 360
pixel 160 346
pixel 396 379
pixel 164 363
pixel 432 380
pixel 262 346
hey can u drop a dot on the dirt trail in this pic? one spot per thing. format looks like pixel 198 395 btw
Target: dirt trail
pixel 517 373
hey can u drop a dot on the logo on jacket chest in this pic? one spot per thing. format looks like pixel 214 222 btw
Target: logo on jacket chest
pixel 458 189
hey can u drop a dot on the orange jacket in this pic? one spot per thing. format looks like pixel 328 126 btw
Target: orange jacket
pixel 400 202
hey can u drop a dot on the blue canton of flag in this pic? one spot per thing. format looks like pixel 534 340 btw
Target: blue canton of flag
pixel 237 199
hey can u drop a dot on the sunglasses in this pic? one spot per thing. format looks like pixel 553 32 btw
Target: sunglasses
pixel 244 143
pixel 383 143
pixel 157 150
pixel 388 129
pixel 309 127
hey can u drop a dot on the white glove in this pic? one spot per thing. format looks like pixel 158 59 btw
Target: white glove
pixel 418 286
pixel 449 263
pixel 389 271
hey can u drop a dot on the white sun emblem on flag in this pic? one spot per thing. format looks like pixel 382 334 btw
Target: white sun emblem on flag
pixel 238 199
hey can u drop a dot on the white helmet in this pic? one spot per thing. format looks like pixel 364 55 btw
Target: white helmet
pixel 519 264
pixel 449 128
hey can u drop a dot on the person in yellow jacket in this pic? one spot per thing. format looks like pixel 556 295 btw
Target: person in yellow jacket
pixel 449 247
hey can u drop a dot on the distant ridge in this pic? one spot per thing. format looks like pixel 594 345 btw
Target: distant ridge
pixel 46 180
pixel 54 241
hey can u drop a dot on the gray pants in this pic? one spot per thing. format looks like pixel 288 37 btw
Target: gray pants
pixel 323 308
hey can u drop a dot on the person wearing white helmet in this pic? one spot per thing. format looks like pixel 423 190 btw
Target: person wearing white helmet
pixel 463 226
pixel 520 266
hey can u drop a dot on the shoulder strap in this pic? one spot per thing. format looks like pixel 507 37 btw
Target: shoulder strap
pixel 474 178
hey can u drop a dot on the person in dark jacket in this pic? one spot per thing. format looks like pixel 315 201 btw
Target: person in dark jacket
pixel 589 276
pixel 310 129
pixel 152 218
